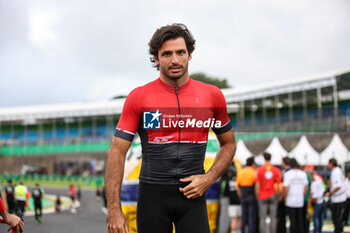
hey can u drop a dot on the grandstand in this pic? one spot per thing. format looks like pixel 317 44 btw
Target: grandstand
pixel 313 104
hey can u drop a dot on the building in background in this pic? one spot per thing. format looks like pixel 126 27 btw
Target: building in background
pixel 73 138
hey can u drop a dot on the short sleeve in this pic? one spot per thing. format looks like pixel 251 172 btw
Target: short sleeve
pixel 130 117
pixel 337 179
pixel 220 112
pixel 286 181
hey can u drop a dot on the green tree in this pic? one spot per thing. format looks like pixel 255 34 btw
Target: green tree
pixel 119 97
pixel 220 83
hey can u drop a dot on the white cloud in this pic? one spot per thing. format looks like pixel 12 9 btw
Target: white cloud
pixel 42 27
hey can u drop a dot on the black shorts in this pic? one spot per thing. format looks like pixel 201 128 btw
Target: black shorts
pixel 159 206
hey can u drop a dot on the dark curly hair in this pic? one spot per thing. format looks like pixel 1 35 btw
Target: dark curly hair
pixel 170 32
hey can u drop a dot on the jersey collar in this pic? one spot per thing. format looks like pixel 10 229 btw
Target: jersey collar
pixel 172 88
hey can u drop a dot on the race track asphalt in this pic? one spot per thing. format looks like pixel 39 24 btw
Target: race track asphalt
pixel 88 219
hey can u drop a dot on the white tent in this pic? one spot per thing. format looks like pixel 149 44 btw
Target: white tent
pixel 304 153
pixel 132 158
pixel 242 152
pixel 277 151
pixel 336 149
pixel 259 160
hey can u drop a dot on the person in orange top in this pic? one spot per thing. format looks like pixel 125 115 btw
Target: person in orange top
pixel 245 188
pixel 267 178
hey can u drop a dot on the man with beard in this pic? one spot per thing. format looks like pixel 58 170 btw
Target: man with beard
pixel 172 116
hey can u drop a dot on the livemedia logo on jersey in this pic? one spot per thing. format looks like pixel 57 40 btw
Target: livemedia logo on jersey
pixel 151 120
pixel 154 120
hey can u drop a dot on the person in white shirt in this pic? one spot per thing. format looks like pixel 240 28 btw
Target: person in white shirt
pixel 317 194
pixel 347 203
pixel 337 194
pixel 295 185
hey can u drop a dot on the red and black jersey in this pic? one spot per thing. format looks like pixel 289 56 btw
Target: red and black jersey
pixel 2 206
pixel 173 125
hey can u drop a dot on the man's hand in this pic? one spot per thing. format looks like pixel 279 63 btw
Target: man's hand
pixel 199 184
pixel 14 222
pixel 116 222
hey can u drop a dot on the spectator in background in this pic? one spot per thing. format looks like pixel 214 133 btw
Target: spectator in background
pixel 327 182
pixel 311 168
pixel 73 195
pixel 37 194
pixel 245 189
pixel 21 197
pixel 98 194
pixel 10 197
pixel 294 190
pixel 307 200
pixel 337 194
pixel 230 191
pixel 317 194
pixel 281 209
pixel 58 204
pixel 79 194
pixel 347 204
pixel 268 177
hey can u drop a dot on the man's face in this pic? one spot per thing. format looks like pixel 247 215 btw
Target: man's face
pixel 330 166
pixel 173 58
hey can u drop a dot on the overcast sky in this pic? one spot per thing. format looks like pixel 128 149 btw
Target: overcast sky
pixel 61 51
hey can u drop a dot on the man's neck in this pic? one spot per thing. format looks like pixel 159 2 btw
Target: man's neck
pixel 175 82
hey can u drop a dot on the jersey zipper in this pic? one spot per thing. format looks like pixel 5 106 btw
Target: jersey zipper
pixel 178 143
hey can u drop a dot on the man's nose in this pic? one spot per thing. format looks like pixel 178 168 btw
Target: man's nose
pixel 174 59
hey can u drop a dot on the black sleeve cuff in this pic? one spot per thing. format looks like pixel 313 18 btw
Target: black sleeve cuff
pixel 223 129
pixel 126 136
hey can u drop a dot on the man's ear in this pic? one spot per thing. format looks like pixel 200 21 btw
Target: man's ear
pixel 156 60
pixel 189 57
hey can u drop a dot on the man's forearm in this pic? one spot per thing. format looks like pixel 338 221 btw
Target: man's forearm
pixel 335 190
pixel 114 178
pixel 4 215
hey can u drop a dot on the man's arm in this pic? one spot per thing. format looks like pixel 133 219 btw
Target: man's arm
pixel 14 222
pixel 305 190
pixel 238 179
pixel 116 222
pixel 285 192
pixel 257 188
pixel 200 183
pixel 332 192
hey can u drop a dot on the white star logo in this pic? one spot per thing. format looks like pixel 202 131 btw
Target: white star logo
pixel 156 115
